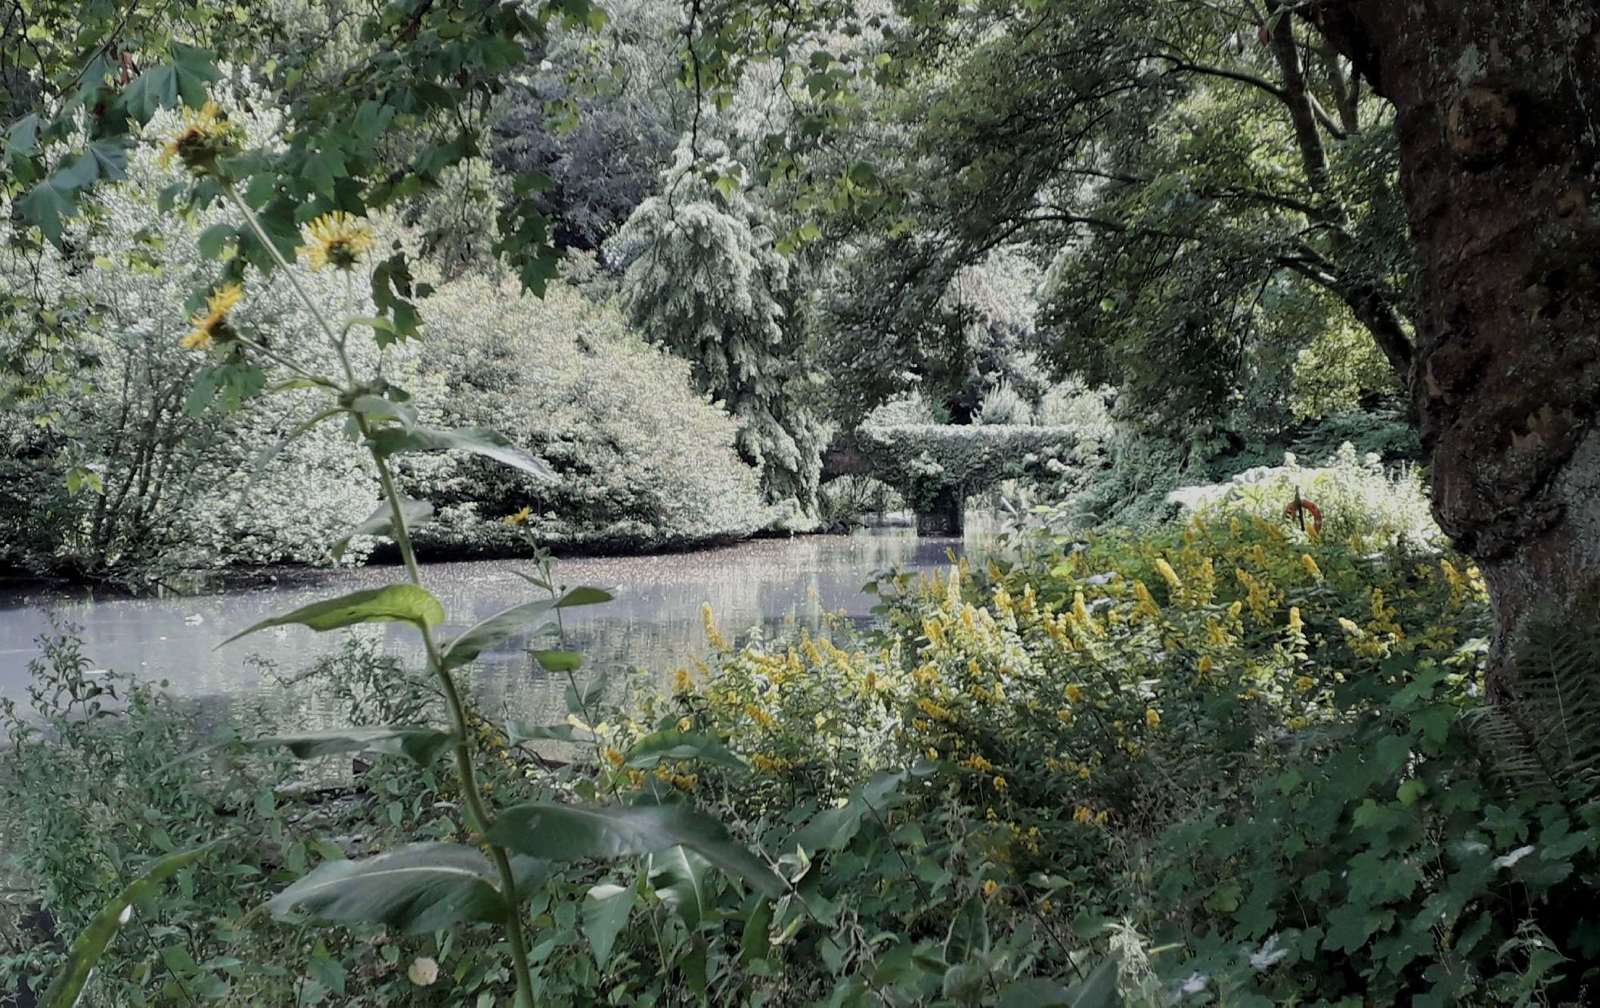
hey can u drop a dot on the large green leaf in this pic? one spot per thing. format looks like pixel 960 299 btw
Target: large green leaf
pixel 522 731
pixel 419 742
pixel 487 443
pixel 502 625
pixel 381 522
pixel 605 914
pixel 581 832
pixel 416 889
pixel 834 828
pixel 678 876
pixel 402 603
pixel 678 745
pixel 583 596
pixel 91 943
pixel 1097 990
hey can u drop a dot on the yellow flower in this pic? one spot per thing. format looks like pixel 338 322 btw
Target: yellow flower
pixel 206 135
pixel 1152 717
pixel 990 887
pixel 1311 567
pixel 1296 626
pixel 932 753
pixel 759 716
pixel 1349 627
pixel 1168 575
pixel 1083 814
pixel 1304 683
pixel 713 635
pixel 684 724
pixel 613 756
pixel 336 239
pixel 1074 693
pixel 999 783
pixel 1064 715
pixel 681 683
pixel 977 762
pixel 212 324
pixel 520 517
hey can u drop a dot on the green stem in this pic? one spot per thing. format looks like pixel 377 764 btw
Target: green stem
pixel 478 817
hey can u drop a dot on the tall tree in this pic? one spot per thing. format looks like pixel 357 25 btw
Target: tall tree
pixel 702 275
pixel 1498 114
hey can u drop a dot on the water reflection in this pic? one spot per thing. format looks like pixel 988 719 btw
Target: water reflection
pixel 654 623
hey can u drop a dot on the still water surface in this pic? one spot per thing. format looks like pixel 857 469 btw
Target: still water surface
pixel 654 623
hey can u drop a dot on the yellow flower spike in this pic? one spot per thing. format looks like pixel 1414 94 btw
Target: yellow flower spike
pixel 1168 575
pixel 336 239
pixel 1349 626
pixel 1296 626
pixel 1310 566
pixel 211 325
pixel 714 636
pixel 1152 717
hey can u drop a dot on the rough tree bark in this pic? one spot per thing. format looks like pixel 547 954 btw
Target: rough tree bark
pixel 1498 112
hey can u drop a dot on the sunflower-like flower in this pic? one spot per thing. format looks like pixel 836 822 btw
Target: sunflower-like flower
pixel 519 518
pixel 211 324
pixel 206 135
pixel 336 239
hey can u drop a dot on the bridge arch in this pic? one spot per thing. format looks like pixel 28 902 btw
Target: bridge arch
pixel 935 467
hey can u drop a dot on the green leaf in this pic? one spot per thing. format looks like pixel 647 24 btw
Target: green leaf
pixel 756 941
pixel 558 661
pixel 677 745
pixel 402 603
pixel 605 914
pixel 419 742
pixel 678 876
pixel 68 986
pixel 1097 990
pixel 485 443
pixel 416 889
pixel 833 829
pixel 502 625
pixel 381 522
pixel 580 832
pixel 583 596
pixel 968 936
pixel 379 408
pixel 521 731
pixel 44 206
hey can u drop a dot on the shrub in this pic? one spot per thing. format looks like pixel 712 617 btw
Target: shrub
pixel 642 461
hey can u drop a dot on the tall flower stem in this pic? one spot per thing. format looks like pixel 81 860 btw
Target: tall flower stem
pixel 479 818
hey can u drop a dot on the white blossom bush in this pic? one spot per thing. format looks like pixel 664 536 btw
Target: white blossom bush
pixel 110 462
pixel 641 459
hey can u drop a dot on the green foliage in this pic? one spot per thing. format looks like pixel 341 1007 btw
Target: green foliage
pixel 640 460
pixel 702 275
pixel 923 461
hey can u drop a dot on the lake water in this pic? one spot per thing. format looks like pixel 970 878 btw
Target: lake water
pixel 654 623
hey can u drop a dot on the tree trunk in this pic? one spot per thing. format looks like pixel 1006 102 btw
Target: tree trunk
pixel 1498 115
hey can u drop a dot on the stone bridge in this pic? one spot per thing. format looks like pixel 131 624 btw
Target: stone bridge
pixel 936 467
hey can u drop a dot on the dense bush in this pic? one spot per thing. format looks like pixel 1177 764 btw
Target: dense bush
pixel 1250 765
pixel 115 459
pixel 1252 747
pixel 641 460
